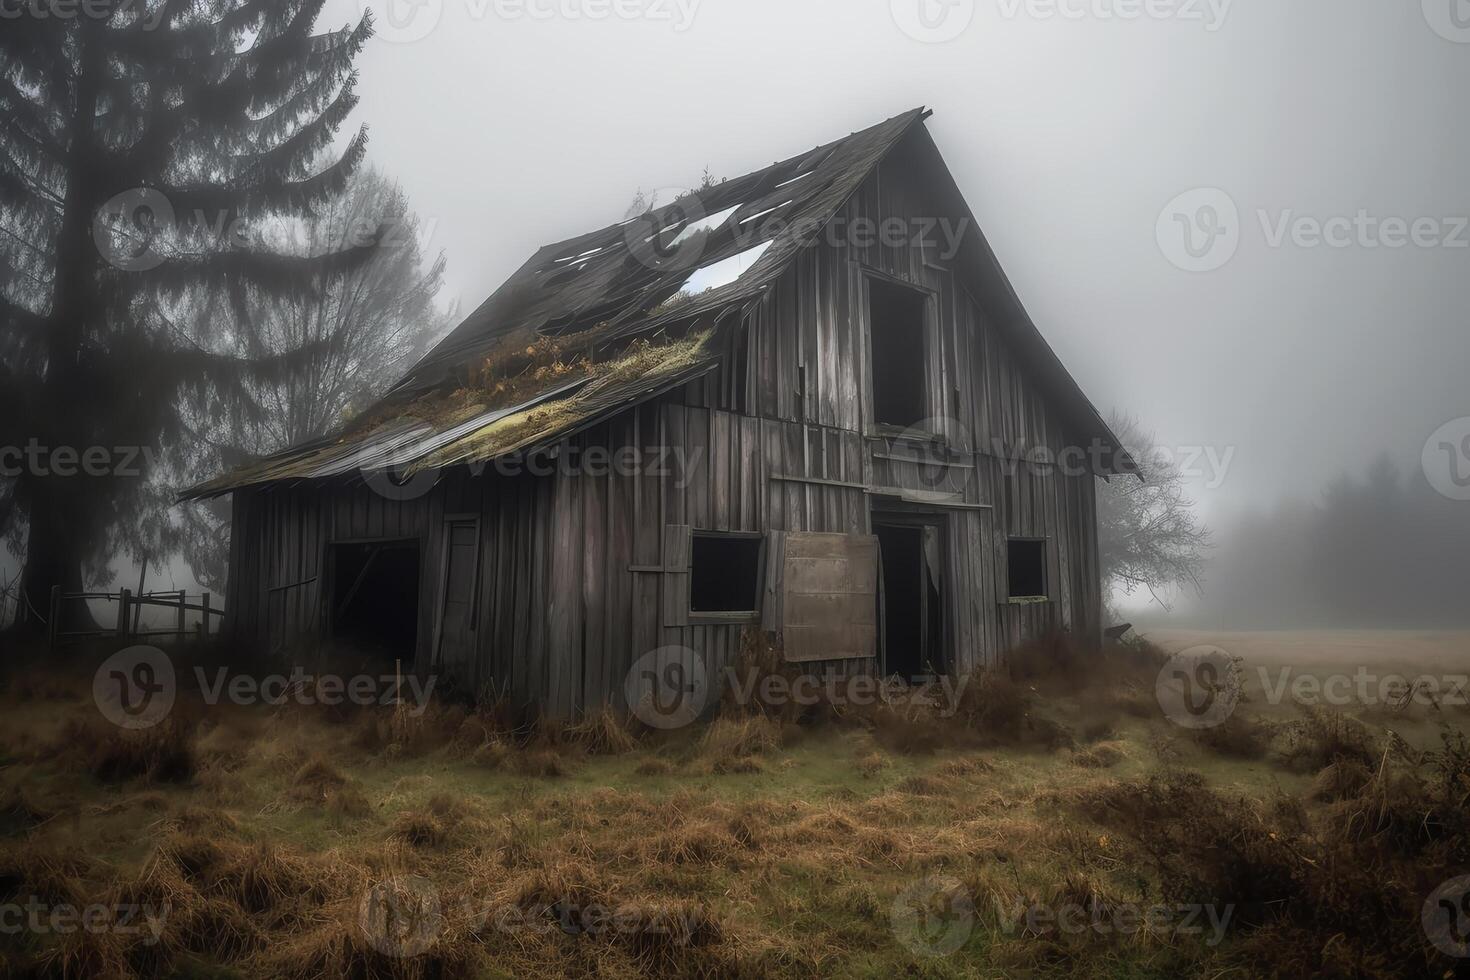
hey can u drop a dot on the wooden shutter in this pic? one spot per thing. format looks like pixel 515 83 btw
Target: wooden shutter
pixel 829 596
pixel 675 600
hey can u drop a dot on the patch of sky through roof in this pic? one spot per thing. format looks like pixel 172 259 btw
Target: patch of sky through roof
pixel 725 271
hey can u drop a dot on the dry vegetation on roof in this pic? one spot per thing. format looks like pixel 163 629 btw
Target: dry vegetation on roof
pixel 641 360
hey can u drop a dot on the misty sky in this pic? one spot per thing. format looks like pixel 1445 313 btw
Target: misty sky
pixel 1067 134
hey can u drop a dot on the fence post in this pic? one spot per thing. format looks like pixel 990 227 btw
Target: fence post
pixel 53 625
pixel 204 618
pixel 180 627
pixel 123 598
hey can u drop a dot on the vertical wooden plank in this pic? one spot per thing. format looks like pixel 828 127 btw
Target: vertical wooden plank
pixel 675 586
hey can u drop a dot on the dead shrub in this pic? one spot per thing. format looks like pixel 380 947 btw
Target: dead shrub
pixel 1322 737
pixel 1341 780
pixel 995 706
pixel 1237 737
pixel 668 938
pixel 603 732
pixel 418 829
pixel 542 761
pixel 1203 847
pixel 493 754
pixel 318 774
pixel 348 803
pixel 405 940
pixel 161 754
pixel 731 744
pixel 915 731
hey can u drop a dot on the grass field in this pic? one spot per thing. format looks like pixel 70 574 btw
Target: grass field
pixel 1057 824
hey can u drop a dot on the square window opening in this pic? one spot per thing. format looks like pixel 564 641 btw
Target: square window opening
pixel 725 574
pixel 896 318
pixel 1026 568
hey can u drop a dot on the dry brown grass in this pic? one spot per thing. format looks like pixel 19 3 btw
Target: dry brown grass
pixel 603 732
pixel 786 875
pixel 733 745
pixel 161 754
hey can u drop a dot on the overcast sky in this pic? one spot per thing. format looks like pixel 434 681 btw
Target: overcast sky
pixel 1070 125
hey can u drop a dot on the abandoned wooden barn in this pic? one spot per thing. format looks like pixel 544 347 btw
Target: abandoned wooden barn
pixel 806 399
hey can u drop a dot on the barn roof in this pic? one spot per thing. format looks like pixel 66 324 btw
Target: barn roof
pixel 593 324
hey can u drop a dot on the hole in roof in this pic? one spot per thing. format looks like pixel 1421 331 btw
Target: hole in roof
pixel 761 214
pixel 724 271
pixel 580 258
pixel 706 224
pixel 800 176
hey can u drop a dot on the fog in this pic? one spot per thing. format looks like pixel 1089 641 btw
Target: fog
pixel 1070 127
pixel 1291 365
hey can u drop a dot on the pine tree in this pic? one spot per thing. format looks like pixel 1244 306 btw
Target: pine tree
pixel 140 143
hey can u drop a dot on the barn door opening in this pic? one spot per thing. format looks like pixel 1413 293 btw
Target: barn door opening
pixel 912 597
pixel 375 599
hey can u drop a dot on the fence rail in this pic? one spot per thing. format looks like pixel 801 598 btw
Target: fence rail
pixel 129 615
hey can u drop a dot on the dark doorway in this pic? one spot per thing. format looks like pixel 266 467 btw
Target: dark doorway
pixel 913 621
pixel 375 599
pixel 896 317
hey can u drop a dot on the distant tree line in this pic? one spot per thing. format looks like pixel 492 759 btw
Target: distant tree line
pixel 1378 550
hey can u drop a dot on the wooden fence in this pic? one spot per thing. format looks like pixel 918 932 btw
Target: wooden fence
pixel 128 622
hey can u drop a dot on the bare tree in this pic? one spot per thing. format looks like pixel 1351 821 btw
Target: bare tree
pixel 1148 534
pixel 359 333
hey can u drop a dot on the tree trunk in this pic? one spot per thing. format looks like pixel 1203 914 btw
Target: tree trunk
pixel 58 506
pixel 53 558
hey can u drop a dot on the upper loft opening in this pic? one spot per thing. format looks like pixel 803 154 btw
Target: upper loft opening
pixel 896 323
